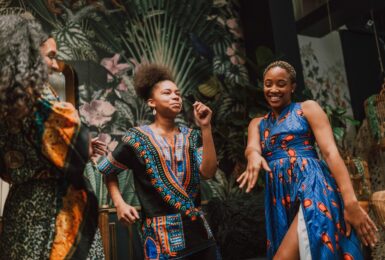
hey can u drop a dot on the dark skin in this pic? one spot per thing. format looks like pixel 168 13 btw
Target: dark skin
pixel 278 89
pixel 167 101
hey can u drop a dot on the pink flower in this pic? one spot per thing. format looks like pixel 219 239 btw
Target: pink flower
pixel 234 28
pixel 112 65
pixel 97 113
pixel 230 51
pixel 235 60
pixel 233 51
pixel 232 23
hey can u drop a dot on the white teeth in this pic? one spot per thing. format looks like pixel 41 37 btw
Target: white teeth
pixel 275 98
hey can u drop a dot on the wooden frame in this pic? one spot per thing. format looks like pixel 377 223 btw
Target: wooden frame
pixel 71 82
pixel 110 229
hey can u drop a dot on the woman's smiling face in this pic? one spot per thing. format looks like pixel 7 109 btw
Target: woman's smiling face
pixel 278 88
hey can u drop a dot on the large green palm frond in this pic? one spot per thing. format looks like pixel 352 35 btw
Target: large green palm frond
pixel 162 32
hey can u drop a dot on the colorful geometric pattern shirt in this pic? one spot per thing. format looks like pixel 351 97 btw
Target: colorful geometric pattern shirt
pixel 166 176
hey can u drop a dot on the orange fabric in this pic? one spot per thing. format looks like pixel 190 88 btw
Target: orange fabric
pixel 60 128
pixel 68 223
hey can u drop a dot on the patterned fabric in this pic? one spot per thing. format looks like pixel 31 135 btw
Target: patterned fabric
pixel 160 167
pixel 169 230
pixel 48 213
pixel 299 179
pixel 168 185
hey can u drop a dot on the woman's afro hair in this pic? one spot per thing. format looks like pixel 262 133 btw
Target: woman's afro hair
pixel 147 76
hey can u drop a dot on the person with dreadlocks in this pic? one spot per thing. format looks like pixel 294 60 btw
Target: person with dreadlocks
pixel 310 205
pixel 167 162
pixel 49 212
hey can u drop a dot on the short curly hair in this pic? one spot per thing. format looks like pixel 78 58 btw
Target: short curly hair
pixel 283 65
pixel 147 76
pixel 22 69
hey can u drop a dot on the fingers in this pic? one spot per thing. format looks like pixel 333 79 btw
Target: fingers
pixel 243 179
pixel 372 225
pixel 98 152
pixel 130 216
pixel 365 228
pixel 201 109
pixel 364 234
pixel 98 147
pixel 249 177
pixel 348 229
pixel 135 213
pixel 369 229
pixel 265 165
pixel 252 180
pixel 97 142
pixel 240 177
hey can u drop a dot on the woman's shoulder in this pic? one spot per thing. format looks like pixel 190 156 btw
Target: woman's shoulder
pixel 310 107
pixel 308 103
pixel 131 133
pixel 255 122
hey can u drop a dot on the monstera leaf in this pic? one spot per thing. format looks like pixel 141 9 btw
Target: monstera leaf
pixel 73 43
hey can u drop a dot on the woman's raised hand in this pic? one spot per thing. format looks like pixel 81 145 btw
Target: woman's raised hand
pixel 202 114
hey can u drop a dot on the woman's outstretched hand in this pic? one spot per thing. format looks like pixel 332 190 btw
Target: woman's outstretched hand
pixel 254 164
pixel 202 114
pixel 357 218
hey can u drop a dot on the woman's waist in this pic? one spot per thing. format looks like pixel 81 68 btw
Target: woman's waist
pixel 289 153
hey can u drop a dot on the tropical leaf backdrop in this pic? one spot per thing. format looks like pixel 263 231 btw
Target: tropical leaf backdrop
pixel 201 41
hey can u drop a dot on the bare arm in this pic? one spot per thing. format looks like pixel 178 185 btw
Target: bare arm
pixel 253 154
pixel 126 213
pixel 323 133
pixel 253 139
pixel 208 167
pixel 203 115
pixel 110 166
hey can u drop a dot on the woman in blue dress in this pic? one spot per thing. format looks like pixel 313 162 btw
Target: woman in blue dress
pixel 310 205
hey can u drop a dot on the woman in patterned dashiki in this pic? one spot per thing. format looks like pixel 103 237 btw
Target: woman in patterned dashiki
pixel 167 160
pixel 49 212
pixel 310 204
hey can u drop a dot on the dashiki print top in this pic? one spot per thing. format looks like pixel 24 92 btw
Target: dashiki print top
pixel 167 182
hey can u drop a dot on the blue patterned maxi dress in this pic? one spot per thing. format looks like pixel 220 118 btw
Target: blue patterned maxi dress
pixel 301 182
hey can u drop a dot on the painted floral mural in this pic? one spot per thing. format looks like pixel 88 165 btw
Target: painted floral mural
pixel 203 48
pixel 326 82
pixel 201 41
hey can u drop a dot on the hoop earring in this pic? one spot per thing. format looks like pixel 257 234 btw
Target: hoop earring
pixel 154 111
